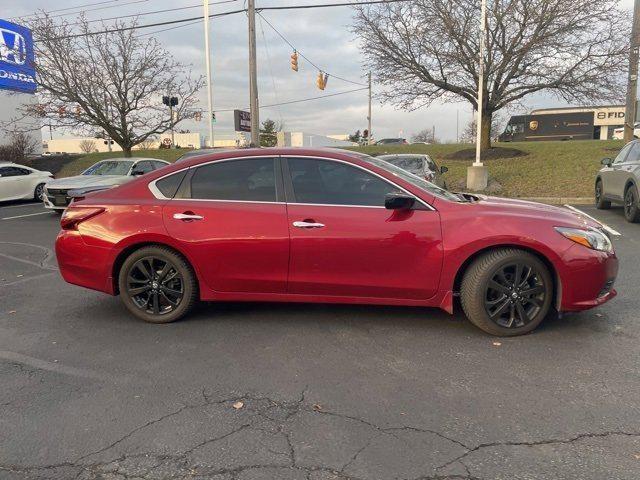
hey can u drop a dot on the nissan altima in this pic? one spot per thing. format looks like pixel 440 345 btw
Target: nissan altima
pixel 304 225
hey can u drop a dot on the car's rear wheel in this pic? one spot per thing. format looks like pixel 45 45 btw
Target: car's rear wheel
pixel 631 210
pixel 601 203
pixel 507 292
pixel 38 192
pixel 157 285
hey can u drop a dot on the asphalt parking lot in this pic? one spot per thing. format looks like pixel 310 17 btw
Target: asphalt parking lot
pixel 271 391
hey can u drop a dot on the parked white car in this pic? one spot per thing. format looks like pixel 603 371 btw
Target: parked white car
pixel 18 182
pixel 618 133
pixel 104 174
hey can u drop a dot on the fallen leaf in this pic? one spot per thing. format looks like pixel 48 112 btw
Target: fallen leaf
pixel 598 314
pixel 18 276
pixel 238 405
pixel 317 407
pixel 497 344
pixel 11 312
pixel 637 455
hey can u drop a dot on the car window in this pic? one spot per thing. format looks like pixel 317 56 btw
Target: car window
pixel 623 153
pixel 431 164
pixel 334 183
pixel 413 164
pixel 249 180
pixel 634 153
pixel 109 167
pixel 13 171
pixel 168 186
pixel 157 165
pixel 144 166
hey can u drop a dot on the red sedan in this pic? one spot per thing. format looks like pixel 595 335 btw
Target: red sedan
pixel 297 225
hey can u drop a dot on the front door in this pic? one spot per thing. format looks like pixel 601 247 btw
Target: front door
pixel 231 218
pixel 345 243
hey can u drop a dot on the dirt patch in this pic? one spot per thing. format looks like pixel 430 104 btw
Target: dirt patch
pixel 491 154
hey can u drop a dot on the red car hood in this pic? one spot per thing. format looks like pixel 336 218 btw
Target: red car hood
pixel 561 216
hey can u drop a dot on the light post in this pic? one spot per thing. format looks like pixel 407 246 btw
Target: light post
pixel 171 102
pixel 477 174
pixel 207 52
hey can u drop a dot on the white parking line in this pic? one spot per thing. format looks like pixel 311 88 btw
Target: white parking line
pixel 21 205
pixel 604 225
pixel 26 215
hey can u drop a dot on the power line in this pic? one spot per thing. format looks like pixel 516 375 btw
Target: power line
pixel 305 57
pixel 183 20
pixel 72 8
pixel 170 28
pixel 142 14
pixel 299 101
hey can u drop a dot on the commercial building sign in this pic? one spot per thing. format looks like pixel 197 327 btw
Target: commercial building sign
pixel 242 121
pixel 17 62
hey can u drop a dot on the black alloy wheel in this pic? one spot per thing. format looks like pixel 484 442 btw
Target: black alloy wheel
pixel 155 285
pixel 631 208
pixel 514 295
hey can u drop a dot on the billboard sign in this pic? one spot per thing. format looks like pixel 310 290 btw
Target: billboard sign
pixel 242 121
pixel 17 62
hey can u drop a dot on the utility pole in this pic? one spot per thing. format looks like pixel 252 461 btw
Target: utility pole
pixel 457 126
pixel 632 84
pixel 477 174
pixel 207 52
pixel 369 116
pixel 107 107
pixel 253 75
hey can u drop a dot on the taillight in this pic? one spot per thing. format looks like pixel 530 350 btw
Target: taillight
pixel 73 216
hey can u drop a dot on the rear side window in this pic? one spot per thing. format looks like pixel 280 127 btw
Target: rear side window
pixel 335 183
pixel 168 186
pixel 623 153
pixel 252 179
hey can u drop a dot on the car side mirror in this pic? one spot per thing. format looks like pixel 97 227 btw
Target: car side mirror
pixel 606 162
pixel 444 169
pixel 398 201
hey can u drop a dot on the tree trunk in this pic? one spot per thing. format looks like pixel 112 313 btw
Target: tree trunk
pixel 485 131
pixel 126 151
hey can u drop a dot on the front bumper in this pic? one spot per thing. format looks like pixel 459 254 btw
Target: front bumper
pixel 55 199
pixel 587 279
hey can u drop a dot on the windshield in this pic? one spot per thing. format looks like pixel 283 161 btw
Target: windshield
pixel 109 167
pixel 413 179
pixel 412 164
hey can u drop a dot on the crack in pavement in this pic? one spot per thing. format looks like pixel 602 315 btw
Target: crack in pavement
pixel 272 418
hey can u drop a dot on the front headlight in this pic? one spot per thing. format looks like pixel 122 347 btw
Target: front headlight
pixel 590 238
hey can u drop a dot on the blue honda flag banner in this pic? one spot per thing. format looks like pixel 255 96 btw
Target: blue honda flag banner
pixel 17 64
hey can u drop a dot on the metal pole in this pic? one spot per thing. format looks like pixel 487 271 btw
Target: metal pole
pixel 483 25
pixel 253 75
pixel 369 116
pixel 207 52
pixel 173 143
pixel 457 126
pixel 632 84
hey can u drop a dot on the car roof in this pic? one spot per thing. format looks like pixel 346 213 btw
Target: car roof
pixel 403 155
pixel 130 159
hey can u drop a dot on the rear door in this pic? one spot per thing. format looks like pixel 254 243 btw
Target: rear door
pixel 230 215
pixel 345 243
pixel 615 178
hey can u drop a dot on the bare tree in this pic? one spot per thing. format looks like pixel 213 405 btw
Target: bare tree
pixel 148 143
pixel 21 145
pixel 111 81
pixel 427 135
pixel 88 146
pixel 427 50
pixel 468 135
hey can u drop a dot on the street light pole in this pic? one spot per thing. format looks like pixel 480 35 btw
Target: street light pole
pixel 253 75
pixel 369 141
pixel 483 26
pixel 207 52
pixel 632 84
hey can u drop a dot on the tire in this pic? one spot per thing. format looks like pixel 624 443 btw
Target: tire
pixel 601 203
pixel 488 298
pixel 157 285
pixel 39 190
pixel 631 209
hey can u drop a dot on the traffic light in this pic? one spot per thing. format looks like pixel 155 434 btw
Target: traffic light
pixel 320 81
pixel 170 101
pixel 294 61
pixel 365 134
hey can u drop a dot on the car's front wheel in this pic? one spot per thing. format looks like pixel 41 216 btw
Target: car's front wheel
pixel 507 292
pixel 38 192
pixel 157 285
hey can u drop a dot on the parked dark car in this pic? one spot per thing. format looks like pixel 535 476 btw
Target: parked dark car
pixel 419 164
pixel 392 141
pixel 617 181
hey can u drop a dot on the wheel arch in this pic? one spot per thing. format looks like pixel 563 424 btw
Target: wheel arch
pixel 557 282
pixel 129 249
pixel 629 183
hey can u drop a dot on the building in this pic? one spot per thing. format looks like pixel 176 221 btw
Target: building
pixel 302 139
pixel 567 123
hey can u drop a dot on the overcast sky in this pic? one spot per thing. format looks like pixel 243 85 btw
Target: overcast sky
pixel 323 35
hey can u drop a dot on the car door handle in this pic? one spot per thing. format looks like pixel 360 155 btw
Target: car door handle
pixel 308 225
pixel 187 216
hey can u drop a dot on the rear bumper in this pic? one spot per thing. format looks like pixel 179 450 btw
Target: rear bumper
pixel 588 278
pixel 83 265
